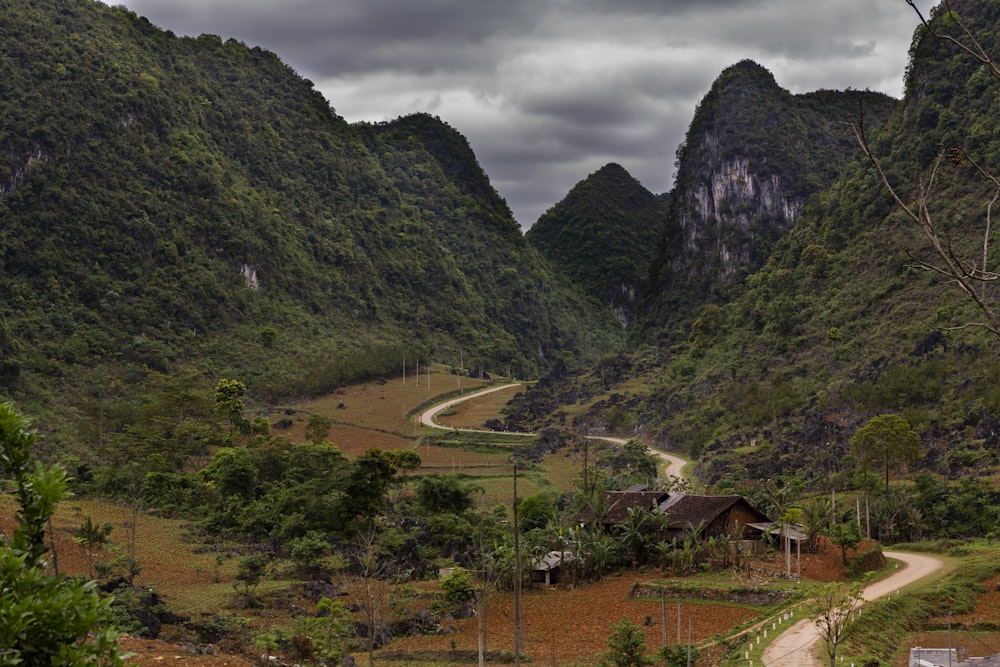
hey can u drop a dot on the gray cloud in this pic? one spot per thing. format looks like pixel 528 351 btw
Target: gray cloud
pixel 548 91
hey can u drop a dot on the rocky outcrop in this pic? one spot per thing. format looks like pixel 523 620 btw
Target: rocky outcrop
pixel 753 156
pixel 731 209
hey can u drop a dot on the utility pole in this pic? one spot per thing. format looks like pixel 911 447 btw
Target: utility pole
pixel 663 614
pixel 517 579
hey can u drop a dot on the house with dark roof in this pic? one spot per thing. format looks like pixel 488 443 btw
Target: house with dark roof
pixel 614 506
pixel 711 516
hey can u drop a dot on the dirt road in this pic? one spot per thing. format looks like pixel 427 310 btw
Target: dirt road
pixel 427 417
pixel 675 464
pixel 797 646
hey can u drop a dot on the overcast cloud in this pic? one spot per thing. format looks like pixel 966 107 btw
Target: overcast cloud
pixel 548 91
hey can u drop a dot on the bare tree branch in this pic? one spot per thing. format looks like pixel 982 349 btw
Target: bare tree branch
pixel 971 275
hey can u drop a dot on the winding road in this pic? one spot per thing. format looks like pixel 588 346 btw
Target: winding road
pixel 796 646
pixel 675 464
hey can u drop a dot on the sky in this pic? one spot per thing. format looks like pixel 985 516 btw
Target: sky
pixel 549 91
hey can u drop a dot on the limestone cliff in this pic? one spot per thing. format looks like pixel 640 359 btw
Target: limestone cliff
pixel 753 156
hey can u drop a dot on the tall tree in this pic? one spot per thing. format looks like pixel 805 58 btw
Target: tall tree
pixel 888 440
pixel 229 406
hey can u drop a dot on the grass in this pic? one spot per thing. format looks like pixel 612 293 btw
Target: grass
pixel 376 415
pixel 383 406
pixel 475 412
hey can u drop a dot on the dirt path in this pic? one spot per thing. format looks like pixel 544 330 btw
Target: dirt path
pixel 675 464
pixel 796 647
pixel 427 417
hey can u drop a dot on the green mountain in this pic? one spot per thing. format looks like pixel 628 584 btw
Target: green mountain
pixel 603 236
pixel 190 203
pixel 844 319
pixel 753 156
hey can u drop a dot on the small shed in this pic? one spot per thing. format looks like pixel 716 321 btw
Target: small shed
pixel 549 568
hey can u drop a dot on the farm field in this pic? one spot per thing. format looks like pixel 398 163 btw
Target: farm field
pixel 475 411
pixel 560 626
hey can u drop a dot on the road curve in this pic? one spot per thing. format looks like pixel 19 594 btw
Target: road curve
pixel 675 464
pixel 796 646
pixel 427 417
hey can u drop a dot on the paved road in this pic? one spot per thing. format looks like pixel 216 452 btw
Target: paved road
pixel 675 464
pixel 796 647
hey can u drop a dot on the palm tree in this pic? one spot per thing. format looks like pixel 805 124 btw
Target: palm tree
pixel 817 516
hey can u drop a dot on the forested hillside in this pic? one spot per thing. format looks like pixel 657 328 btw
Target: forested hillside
pixel 752 157
pixel 845 320
pixel 190 203
pixel 604 235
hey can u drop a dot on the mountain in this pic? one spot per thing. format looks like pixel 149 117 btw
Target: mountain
pixel 192 203
pixel 841 321
pixel 753 156
pixel 603 236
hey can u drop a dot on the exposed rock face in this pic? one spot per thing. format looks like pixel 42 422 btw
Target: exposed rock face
pixel 725 213
pixel 753 156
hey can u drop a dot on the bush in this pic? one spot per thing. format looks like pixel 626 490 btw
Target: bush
pixel 44 619
pixel 457 588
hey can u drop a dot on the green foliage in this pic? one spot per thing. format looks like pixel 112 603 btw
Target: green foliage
pixel 318 428
pixel 629 464
pixel 443 493
pixel 678 656
pixel 603 236
pixel 44 618
pixel 202 205
pixel 229 406
pixel 886 439
pixel 846 535
pixel 626 646
pixel 309 551
pixel 956 509
pixel 93 537
pixel 365 492
pixel 457 587
pixel 250 571
pixel 328 631
pixel 536 511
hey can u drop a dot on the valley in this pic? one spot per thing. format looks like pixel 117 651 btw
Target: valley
pixel 273 383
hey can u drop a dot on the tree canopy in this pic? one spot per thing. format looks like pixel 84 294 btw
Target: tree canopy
pixel 888 440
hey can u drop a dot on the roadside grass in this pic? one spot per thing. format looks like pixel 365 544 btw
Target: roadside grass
pixel 475 412
pixel 385 406
pixel 894 623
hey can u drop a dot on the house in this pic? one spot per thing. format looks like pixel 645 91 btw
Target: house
pixel 711 516
pixel 614 506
